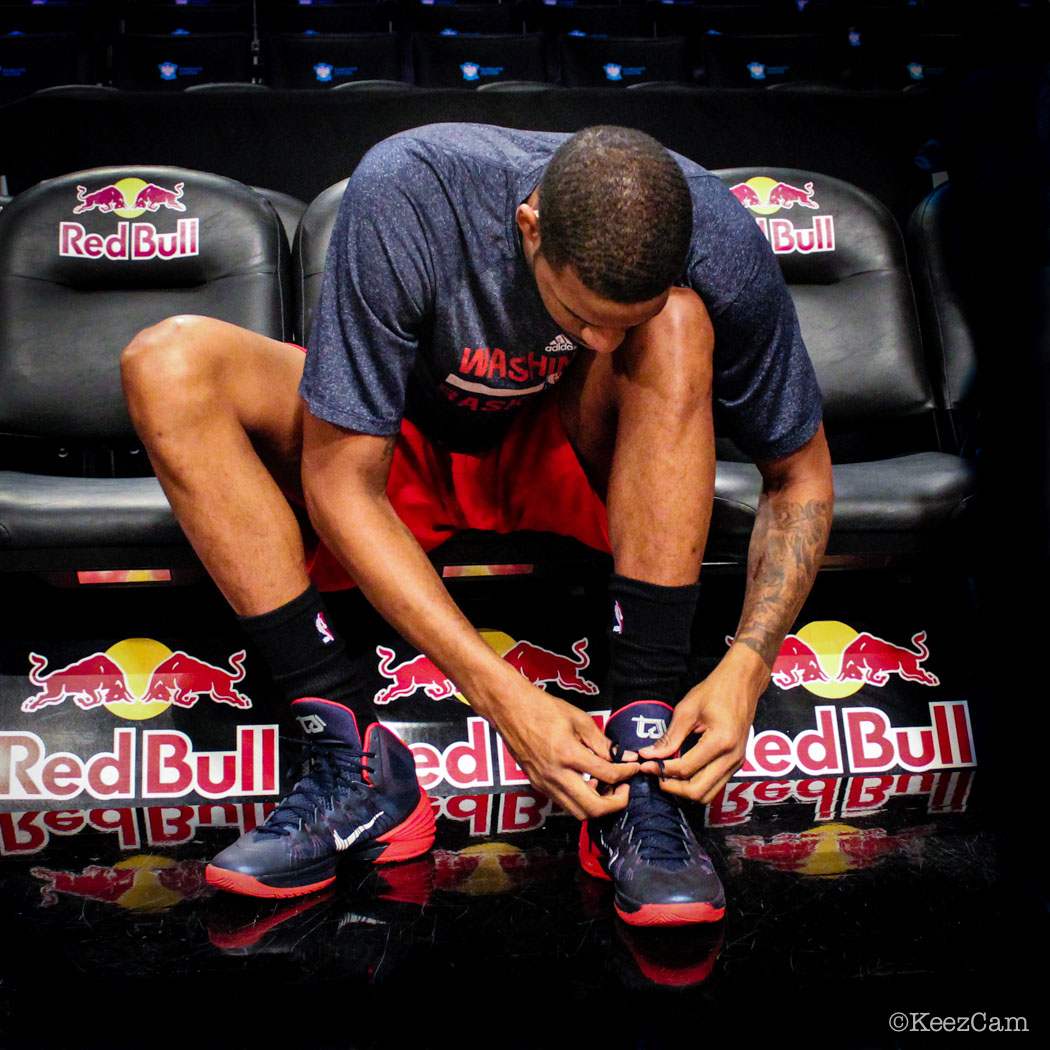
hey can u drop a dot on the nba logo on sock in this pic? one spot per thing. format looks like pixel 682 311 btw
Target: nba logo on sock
pixel 322 629
pixel 618 614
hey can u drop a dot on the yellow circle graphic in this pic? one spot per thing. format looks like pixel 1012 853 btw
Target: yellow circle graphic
pixel 828 638
pixel 131 189
pixel 828 858
pixel 146 894
pixel 138 657
pixel 763 186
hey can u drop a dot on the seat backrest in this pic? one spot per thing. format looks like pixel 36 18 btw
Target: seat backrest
pixel 938 270
pixel 468 60
pixel 589 61
pixel 765 59
pixel 844 260
pixel 323 60
pixel 309 252
pixel 170 62
pixel 90 259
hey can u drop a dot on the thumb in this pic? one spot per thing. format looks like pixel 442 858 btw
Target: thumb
pixel 670 743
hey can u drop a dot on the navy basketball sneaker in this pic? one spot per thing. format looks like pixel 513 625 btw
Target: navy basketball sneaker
pixel 661 873
pixel 357 799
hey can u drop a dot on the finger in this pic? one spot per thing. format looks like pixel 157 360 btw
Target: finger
pixel 608 772
pixel 602 805
pixel 671 742
pixel 706 785
pixel 592 737
pixel 689 763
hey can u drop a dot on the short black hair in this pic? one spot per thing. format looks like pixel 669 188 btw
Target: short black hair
pixel 615 205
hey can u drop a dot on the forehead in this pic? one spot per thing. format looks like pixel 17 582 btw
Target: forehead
pixel 592 308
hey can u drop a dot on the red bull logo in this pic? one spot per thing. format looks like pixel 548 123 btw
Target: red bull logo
pixel 128 199
pixel 764 197
pixel 865 742
pixel 833 660
pixel 843 798
pixel 543 667
pixel 830 850
pixel 142 884
pixel 136 678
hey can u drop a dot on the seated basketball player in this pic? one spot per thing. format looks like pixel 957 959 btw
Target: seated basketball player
pixel 517 330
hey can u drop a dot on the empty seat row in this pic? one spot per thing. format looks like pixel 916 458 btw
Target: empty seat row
pixel 89 259
pixel 156 62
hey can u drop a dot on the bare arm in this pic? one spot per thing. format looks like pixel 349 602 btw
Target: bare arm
pixel 787 545
pixel 344 479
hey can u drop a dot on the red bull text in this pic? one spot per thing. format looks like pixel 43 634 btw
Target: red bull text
pixel 155 764
pixel 132 241
pixel 764 196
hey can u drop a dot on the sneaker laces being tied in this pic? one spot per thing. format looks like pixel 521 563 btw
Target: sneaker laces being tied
pixel 653 820
pixel 331 769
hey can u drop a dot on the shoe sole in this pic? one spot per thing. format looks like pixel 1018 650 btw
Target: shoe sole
pixel 679 913
pixel 411 838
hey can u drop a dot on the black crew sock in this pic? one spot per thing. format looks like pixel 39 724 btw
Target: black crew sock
pixel 650 640
pixel 305 654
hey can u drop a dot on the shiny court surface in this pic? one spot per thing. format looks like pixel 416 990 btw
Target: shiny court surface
pixel 881 849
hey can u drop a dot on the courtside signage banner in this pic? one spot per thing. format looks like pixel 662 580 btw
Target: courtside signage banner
pixel 132 723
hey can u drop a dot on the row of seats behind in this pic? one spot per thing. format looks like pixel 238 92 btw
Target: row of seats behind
pixel 89 259
pixel 572 45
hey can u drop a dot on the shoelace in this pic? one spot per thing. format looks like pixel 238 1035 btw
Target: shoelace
pixel 331 770
pixel 652 819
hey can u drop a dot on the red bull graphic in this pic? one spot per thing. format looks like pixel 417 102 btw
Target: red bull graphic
pixel 866 743
pixel 409 677
pixel 829 850
pixel 143 884
pixel 833 660
pixel 543 667
pixel 764 197
pixel 133 241
pixel 135 678
pixel 842 798
pixel 158 764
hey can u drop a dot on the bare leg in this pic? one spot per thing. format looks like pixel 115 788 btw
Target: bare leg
pixel 218 410
pixel 640 421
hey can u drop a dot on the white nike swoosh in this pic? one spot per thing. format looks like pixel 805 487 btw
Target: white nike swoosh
pixel 341 843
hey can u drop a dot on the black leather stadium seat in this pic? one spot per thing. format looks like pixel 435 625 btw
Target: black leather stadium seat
pixel 325 60
pixel 589 61
pixel 86 261
pixel 938 273
pixel 900 489
pixel 469 60
pixel 160 62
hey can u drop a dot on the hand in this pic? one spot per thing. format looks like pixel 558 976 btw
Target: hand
pixel 555 744
pixel 721 708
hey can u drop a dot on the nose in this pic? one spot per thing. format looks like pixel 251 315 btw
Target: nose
pixel 602 340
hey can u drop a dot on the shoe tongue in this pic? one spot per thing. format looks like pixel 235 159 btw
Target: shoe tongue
pixel 326 722
pixel 639 724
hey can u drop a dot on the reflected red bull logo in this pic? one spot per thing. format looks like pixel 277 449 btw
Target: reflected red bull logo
pixel 543 667
pixel 833 660
pixel 128 199
pixel 829 850
pixel 764 197
pixel 144 884
pixel 136 678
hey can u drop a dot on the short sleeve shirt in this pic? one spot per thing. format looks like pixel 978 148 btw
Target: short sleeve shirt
pixel 429 310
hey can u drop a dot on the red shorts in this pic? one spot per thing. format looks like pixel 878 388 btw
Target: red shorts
pixel 532 480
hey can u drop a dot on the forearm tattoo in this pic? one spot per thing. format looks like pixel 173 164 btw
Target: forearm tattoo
pixel 786 549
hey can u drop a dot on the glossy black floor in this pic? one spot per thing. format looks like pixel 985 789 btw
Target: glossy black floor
pixel 859 890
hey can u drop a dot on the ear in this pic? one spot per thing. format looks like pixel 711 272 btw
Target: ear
pixel 528 220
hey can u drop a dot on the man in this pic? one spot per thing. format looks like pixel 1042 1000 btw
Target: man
pixel 468 267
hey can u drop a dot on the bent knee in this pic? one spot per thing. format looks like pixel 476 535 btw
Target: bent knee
pixel 168 357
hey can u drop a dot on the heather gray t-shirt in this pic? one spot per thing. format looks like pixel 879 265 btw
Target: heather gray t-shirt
pixel 429 310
